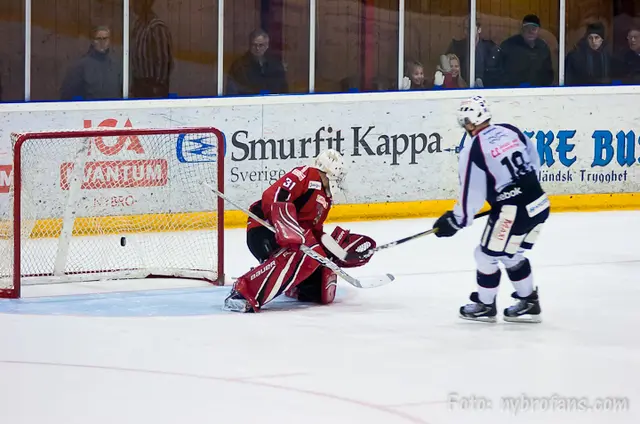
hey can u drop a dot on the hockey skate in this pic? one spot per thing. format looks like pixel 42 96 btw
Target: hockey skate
pixel 236 303
pixel 526 310
pixel 478 311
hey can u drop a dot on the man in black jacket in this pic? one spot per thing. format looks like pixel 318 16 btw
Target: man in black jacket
pixel 257 70
pixel 488 73
pixel 589 63
pixel 628 64
pixel 526 59
pixel 96 75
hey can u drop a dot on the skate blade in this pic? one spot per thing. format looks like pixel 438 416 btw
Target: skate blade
pixel 489 320
pixel 527 319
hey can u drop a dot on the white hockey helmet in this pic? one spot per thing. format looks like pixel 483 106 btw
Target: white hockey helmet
pixel 473 111
pixel 331 162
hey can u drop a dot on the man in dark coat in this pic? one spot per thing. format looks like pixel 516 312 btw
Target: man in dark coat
pixel 526 59
pixel 488 72
pixel 628 65
pixel 589 63
pixel 96 76
pixel 257 70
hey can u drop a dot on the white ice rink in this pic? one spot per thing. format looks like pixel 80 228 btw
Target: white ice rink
pixel 394 354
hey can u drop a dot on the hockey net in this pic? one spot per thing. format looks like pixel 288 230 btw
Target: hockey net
pixel 111 204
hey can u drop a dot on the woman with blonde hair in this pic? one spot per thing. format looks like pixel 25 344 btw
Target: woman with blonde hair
pixel 448 73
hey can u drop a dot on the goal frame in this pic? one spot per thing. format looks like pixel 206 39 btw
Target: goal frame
pixel 16 181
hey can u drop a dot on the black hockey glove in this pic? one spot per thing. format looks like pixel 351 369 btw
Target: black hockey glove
pixel 446 225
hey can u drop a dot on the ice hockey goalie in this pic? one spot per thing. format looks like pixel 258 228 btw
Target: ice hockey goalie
pixel 297 206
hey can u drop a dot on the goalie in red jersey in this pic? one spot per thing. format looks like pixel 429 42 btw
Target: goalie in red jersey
pixel 297 206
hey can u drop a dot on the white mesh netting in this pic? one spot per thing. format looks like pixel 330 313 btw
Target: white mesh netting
pixel 112 207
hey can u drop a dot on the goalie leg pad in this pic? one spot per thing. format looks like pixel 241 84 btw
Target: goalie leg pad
pixel 320 287
pixel 329 284
pixel 285 270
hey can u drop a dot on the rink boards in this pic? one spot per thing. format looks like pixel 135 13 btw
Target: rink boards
pixel 401 150
pixel 84 226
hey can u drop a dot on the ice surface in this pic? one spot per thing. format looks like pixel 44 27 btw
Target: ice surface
pixel 393 354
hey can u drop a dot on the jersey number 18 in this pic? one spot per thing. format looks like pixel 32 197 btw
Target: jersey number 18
pixel 516 165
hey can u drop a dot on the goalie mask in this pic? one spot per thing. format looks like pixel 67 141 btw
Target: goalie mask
pixel 331 162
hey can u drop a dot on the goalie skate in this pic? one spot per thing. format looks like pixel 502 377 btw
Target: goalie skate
pixel 236 303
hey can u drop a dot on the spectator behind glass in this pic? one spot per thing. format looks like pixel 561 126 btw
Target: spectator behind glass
pixel 526 59
pixel 487 57
pixel 96 75
pixel 589 63
pixel 629 62
pixel 414 76
pixel 151 53
pixel 257 70
pixel 448 73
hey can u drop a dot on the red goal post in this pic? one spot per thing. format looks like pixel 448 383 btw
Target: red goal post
pixel 110 204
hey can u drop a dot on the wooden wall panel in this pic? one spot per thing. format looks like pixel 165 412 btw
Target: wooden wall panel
pixel 194 33
pixel 338 43
pixel 295 35
pixel 385 41
pixel 503 18
pixel 60 35
pixel 12 50
pixel 429 28
pixel 241 17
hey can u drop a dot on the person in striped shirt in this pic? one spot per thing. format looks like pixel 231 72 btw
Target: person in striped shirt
pixel 151 53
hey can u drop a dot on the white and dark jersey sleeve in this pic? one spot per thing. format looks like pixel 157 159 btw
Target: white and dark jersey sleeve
pixel 473 185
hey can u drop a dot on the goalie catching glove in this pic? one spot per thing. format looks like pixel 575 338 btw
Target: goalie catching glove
pixel 348 250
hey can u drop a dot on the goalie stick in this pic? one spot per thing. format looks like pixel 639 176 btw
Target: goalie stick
pixel 400 241
pixel 370 282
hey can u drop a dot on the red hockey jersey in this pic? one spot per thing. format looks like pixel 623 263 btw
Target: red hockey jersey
pixel 302 186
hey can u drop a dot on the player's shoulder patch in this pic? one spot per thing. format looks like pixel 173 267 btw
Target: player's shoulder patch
pixel 315 185
pixel 301 172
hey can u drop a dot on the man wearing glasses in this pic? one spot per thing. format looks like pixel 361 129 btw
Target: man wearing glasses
pixel 629 66
pixel 258 70
pixel 96 75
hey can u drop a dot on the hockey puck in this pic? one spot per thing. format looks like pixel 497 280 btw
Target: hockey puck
pixel 123 241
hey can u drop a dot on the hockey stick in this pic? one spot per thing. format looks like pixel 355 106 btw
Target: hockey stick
pixel 370 252
pixel 368 283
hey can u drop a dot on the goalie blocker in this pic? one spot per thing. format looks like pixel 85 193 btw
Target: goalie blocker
pixel 297 206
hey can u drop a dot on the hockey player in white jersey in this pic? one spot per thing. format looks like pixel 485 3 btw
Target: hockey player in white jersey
pixel 499 164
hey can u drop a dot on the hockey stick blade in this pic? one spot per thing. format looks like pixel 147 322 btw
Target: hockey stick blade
pixel 365 283
pixel 370 252
pixel 375 281
pixel 310 252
